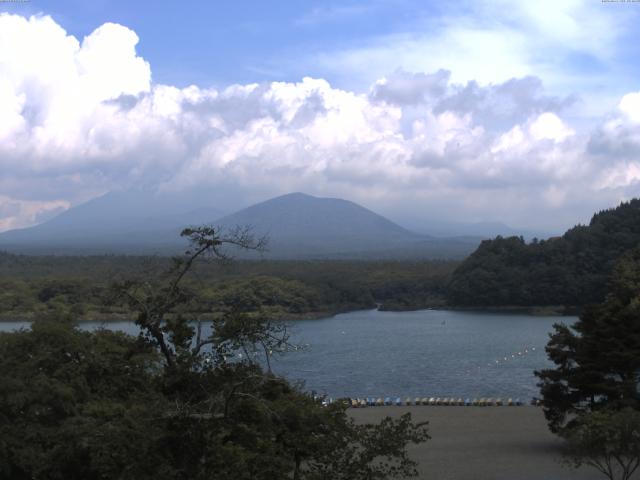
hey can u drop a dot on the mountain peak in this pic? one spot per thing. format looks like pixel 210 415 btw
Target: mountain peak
pixel 297 224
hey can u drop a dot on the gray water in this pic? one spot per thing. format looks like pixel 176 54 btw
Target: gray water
pixel 423 353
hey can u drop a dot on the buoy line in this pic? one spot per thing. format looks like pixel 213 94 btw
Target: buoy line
pixel 513 356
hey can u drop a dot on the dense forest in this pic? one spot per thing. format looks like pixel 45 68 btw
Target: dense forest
pixel 571 270
pixel 81 285
pixel 175 403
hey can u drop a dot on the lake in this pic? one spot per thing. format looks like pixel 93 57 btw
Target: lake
pixel 423 353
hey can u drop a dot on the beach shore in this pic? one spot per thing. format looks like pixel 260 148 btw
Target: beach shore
pixel 484 443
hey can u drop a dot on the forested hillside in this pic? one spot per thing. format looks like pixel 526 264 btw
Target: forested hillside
pixel 571 270
pixel 34 285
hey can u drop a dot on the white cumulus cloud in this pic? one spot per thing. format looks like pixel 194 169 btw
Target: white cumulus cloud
pixel 79 118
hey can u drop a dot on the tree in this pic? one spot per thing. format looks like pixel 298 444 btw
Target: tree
pixel 158 303
pixel 183 400
pixel 77 405
pixel 570 270
pixel 608 441
pixel 598 360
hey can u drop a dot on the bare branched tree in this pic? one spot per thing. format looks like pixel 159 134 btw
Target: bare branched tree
pixel 156 300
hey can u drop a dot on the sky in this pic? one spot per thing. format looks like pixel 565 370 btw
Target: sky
pixel 526 113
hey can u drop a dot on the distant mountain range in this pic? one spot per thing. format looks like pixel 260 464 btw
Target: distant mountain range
pixel 118 222
pixel 297 225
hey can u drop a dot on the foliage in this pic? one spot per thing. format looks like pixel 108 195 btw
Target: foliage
pixel 177 402
pixel 75 404
pixel 32 286
pixel 607 440
pixel 569 270
pixel 598 361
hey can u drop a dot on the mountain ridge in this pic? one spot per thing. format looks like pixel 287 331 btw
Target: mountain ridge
pixel 298 226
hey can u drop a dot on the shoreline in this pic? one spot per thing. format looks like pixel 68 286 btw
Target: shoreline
pixel 534 311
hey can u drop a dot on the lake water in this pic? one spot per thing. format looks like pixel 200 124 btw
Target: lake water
pixel 423 353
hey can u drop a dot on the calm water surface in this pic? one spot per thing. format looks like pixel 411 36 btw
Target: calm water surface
pixel 422 353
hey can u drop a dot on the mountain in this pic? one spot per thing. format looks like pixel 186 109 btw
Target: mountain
pixel 300 225
pixel 117 222
pixel 569 270
pixel 297 225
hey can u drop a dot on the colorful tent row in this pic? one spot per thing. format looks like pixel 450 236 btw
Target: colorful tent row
pixel 476 402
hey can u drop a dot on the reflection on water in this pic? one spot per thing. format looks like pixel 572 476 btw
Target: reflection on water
pixel 423 353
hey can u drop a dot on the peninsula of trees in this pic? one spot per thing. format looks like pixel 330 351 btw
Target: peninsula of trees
pixel 571 270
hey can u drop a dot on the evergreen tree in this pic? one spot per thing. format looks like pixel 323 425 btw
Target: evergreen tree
pixel 598 360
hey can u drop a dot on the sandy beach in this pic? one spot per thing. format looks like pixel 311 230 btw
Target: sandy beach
pixel 484 443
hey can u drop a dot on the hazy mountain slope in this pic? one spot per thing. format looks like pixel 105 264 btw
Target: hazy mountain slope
pixel 300 225
pixel 115 222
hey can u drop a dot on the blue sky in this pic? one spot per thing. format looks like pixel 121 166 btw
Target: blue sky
pixel 222 42
pixel 523 112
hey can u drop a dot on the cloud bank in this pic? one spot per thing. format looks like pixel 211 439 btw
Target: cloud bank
pixel 79 118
